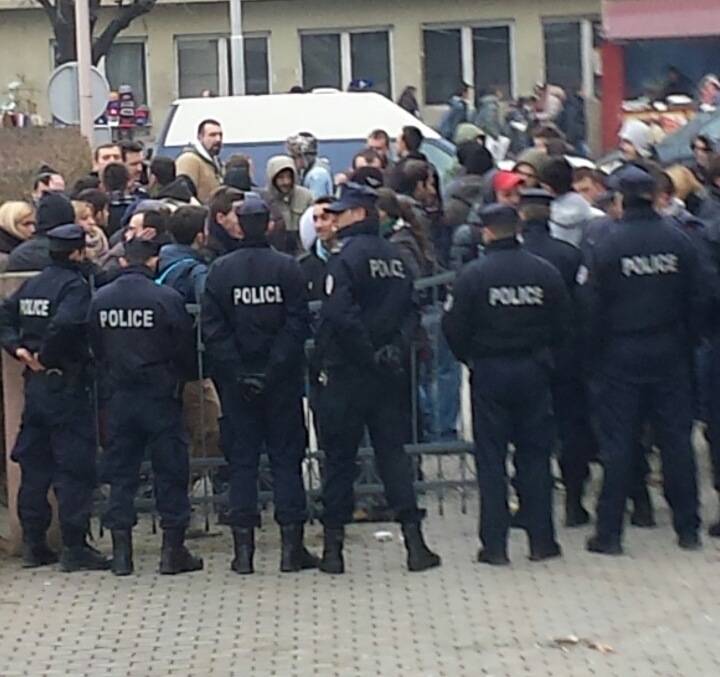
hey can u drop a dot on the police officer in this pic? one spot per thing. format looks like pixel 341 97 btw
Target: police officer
pixel 577 440
pixel 363 342
pixel 509 308
pixel 643 297
pixel 256 322
pixel 43 325
pixel 144 342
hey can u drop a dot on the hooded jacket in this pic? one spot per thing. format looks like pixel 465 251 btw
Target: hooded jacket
pixel 569 216
pixel 488 116
pixel 290 205
pixel 204 170
pixel 182 268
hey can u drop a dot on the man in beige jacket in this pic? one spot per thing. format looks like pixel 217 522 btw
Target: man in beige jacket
pixel 201 160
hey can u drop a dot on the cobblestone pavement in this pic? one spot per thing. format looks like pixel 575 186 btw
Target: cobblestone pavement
pixel 654 612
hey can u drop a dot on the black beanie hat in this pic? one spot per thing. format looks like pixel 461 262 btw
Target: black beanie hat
pixel 53 210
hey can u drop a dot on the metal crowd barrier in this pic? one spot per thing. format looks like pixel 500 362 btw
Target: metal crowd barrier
pixel 443 468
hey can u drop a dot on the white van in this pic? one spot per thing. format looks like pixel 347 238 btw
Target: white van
pixel 259 125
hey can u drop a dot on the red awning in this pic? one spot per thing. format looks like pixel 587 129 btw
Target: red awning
pixel 637 19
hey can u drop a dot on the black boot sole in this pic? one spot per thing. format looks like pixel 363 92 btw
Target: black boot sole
pixel 127 570
pixel 306 563
pixel 243 571
pixel 691 544
pixel 185 568
pixel 542 555
pixel 431 562
pixel 612 549
pixel 333 568
pixel 73 567
pixel 493 560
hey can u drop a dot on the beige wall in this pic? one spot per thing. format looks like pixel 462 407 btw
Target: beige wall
pixel 25 36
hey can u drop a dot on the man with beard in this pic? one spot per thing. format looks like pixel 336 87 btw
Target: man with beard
pixel 201 161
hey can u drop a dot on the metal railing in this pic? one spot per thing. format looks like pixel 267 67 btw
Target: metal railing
pixel 443 468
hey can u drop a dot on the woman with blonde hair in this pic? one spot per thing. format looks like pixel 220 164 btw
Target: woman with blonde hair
pixel 96 241
pixel 17 224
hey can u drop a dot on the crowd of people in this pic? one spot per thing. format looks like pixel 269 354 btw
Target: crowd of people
pixel 508 125
pixel 583 307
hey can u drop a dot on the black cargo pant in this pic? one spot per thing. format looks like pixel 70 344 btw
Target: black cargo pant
pixel 350 400
pixel 56 446
pixel 140 419
pixel 271 423
pixel 621 406
pixel 511 402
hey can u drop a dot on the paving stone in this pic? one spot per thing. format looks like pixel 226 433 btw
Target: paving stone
pixel 657 609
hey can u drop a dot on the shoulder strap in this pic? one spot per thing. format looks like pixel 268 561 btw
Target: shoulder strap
pixel 160 279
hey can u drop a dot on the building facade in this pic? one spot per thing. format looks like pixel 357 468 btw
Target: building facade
pixel 181 49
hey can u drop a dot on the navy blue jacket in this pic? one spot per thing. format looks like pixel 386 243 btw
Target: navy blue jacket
pixel 141 334
pixel 47 315
pixel 509 302
pixel 565 257
pixel 643 296
pixel 33 254
pixel 184 269
pixel 370 300
pixel 255 313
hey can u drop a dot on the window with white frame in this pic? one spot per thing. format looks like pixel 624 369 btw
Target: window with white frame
pixel 570 53
pixel 204 63
pixel 479 55
pixel 125 64
pixel 339 58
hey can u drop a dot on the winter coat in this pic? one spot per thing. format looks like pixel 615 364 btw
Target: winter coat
pixel 290 205
pixel 206 174
pixel 488 116
pixel 456 114
pixel 462 194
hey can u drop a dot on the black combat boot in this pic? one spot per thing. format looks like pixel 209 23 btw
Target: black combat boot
pixel 575 513
pixel 540 552
pixel 244 547
pixel 82 558
pixel 690 540
pixel 175 558
pixel 122 561
pixel 419 556
pixel 36 552
pixel 643 514
pixel 497 559
pixel 332 560
pixel 295 556
pixel 604 546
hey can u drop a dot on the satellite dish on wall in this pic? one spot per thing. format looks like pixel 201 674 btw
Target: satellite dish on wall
pixel 63 93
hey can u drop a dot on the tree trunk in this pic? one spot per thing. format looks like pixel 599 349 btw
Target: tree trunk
pixel 64 28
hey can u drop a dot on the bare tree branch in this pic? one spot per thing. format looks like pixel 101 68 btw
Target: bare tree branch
pixel 125 16
pixel 61 14
pixel 49 9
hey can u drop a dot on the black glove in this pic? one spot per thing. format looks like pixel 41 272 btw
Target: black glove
pixel 390 358
pixel 252 386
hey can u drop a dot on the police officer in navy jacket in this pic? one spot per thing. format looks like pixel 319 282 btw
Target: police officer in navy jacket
pixel 144 342
pixel 43 325
pixel 508 310
pixel 362 350
pixel 644 302
pixel 256 322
